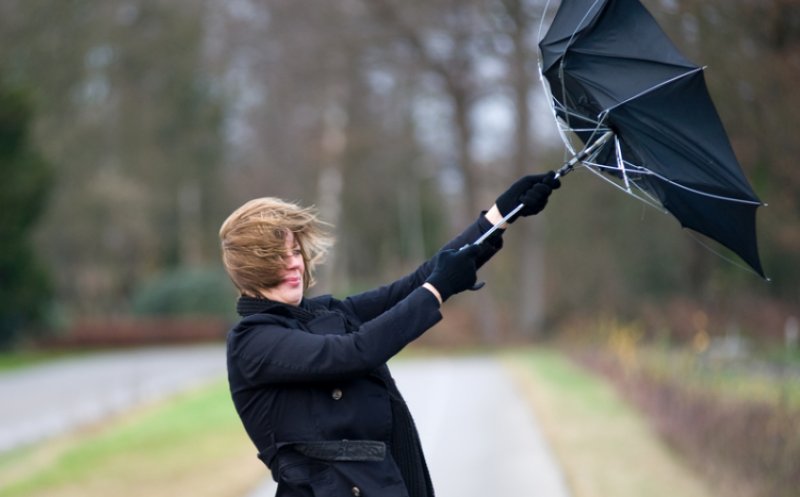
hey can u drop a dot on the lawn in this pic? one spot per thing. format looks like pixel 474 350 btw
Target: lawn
pixel 604 447
pixel 20 359
pixel 192 445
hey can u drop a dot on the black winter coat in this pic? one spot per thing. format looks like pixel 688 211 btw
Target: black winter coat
pixel 313 391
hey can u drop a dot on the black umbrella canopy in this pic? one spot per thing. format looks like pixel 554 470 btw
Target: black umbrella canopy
pixel 610 67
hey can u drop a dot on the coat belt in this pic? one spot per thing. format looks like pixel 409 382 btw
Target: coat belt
pixel 343 450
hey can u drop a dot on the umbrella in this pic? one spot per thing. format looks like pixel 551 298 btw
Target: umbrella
pixel 645 116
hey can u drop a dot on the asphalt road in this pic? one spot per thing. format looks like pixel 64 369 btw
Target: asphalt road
pixel 479 436
pixel 47 400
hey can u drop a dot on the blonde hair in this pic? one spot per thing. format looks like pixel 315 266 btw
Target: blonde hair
pixel 253 242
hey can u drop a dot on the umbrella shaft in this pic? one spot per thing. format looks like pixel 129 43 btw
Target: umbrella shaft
pixel 498 225
pixel 565 169
pixel 583 154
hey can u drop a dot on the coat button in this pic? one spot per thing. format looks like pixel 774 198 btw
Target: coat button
pixel 336 394
pixel 356 491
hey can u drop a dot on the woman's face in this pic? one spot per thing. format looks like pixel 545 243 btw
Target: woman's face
pixel 290 289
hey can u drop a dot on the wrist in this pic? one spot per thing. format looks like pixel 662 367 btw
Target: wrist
pixel 433 290
pixel 494 216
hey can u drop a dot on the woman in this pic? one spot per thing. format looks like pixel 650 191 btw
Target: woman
pixel 308 376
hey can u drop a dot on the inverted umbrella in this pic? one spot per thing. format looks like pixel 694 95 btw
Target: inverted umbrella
pixel 645 116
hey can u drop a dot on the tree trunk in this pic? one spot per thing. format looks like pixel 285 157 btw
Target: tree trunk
pixel 527 247
pixel 333 144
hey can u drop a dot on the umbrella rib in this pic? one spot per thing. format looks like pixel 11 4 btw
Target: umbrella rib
pixel 561 107
pixel 649 172
pixel 621 163
pixel 698 192
pixel 578 27
pixel 564 139
pixel 653 88
pixel 565 125
pixel 653 200
pixel 541 25
pixel 599 54
pixel 648 200
pixel 592 34
pixel 564 110
pixel 722 256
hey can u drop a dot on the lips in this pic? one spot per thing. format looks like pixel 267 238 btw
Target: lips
pixel 293 280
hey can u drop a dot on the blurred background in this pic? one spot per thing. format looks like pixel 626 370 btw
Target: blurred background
pixel 130 129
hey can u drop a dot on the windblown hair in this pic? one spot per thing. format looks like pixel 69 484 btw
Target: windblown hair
pixel 253 242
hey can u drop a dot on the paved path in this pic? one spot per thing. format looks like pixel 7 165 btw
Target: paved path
pixel 47 400
pixel 479 435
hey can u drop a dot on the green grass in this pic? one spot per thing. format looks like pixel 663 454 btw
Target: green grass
pixel 20 359
pixel 603 445
pixel 190 438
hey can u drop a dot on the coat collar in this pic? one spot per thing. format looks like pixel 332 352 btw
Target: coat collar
pixel 305 312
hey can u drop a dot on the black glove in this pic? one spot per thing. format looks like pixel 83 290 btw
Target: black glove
pixel 532 191
pixel 454 270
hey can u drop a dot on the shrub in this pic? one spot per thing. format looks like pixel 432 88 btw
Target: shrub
pixel 754 442
pixel 186 292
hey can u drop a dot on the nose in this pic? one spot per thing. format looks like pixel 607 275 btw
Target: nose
pixel 293 260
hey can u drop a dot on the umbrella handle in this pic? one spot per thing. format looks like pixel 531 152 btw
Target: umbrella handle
pixel 563 171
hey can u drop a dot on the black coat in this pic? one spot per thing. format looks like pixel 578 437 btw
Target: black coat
pixel 318 373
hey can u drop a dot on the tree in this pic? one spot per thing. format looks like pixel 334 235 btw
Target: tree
pixel 517 18
pixel 134 121
pixel 24 188
pixel 323 109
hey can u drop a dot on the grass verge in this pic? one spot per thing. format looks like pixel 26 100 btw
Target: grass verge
pixel 604 447
pixel 192 445
pixel 20 359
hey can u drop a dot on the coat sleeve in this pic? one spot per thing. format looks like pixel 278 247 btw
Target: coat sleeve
pixel 270 353
pixel 372 303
